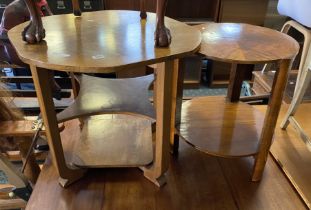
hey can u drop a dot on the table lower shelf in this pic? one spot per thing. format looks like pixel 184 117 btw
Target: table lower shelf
pixel 217 127
pixel 114 141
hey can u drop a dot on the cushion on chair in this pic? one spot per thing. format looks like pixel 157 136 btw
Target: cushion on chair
pixel 299 10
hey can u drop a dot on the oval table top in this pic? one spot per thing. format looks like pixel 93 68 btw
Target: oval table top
pixel 103 42
pixel 245 43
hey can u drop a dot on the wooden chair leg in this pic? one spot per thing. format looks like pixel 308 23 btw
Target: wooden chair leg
pixel 297 99
pixel 143 13
pixel 303 78
pixel 76 8
pixel 272 113
pixel 285 29
pixel 305 51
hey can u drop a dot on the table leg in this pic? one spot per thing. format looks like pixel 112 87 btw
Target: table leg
pixel 179 97
pixel 278 88
pixel 68 174
pixel 237 76
pixel 165 88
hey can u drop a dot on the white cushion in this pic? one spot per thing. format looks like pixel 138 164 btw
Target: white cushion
pixel 299 10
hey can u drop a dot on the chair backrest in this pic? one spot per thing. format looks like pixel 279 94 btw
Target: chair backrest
pixel 299 10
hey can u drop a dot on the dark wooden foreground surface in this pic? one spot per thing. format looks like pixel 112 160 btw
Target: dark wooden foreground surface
pixel 194 181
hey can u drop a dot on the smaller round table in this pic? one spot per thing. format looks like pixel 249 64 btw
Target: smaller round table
pixel 226 127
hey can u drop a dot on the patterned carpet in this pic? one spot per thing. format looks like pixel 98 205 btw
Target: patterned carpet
pixel 3 178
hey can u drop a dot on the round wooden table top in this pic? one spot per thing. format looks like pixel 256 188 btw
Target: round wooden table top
pixel 245 44
pixel 103 41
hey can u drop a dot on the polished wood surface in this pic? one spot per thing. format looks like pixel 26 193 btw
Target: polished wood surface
pixel 35 32
pixel 165 98
pixel 12 204
pixel 194 181
pixel 216 127
pixel 103 41
pixel 271 117
pixel 102 95
pixel 291 153
pixel 245 44
pixel 119 40
pixel 113 141
pixel 242 45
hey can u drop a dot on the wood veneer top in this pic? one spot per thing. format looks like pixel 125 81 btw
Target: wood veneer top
pixel 218 127
pixel 113 141
pixel 245 43
pixel 103 41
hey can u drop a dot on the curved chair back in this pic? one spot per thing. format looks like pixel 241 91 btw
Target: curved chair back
pixel 299 10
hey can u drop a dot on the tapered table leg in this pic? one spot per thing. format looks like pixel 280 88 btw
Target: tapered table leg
pixel 179 97
pixel 272 113
pixel 68 173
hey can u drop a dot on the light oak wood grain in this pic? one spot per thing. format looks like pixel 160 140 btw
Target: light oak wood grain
pixel 17 128
pixel 216 127
pixel 241 45
pixel 103 41
pixel 245 44
pixel 114 141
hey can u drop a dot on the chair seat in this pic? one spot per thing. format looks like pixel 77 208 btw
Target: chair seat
pixel 298 10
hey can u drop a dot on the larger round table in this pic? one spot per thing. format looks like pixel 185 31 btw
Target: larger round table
pixel 102 42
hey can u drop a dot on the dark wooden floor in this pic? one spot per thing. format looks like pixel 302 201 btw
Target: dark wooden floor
pixel 292 154
pixel 194 181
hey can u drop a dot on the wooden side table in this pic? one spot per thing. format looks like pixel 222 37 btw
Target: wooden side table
pixel 228 128
pixel 105 42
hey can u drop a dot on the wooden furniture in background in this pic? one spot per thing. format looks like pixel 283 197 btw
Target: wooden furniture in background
pixel 124 42
pixel 232 130
pixel 243 11
pixel 21 132
pixel 26 99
